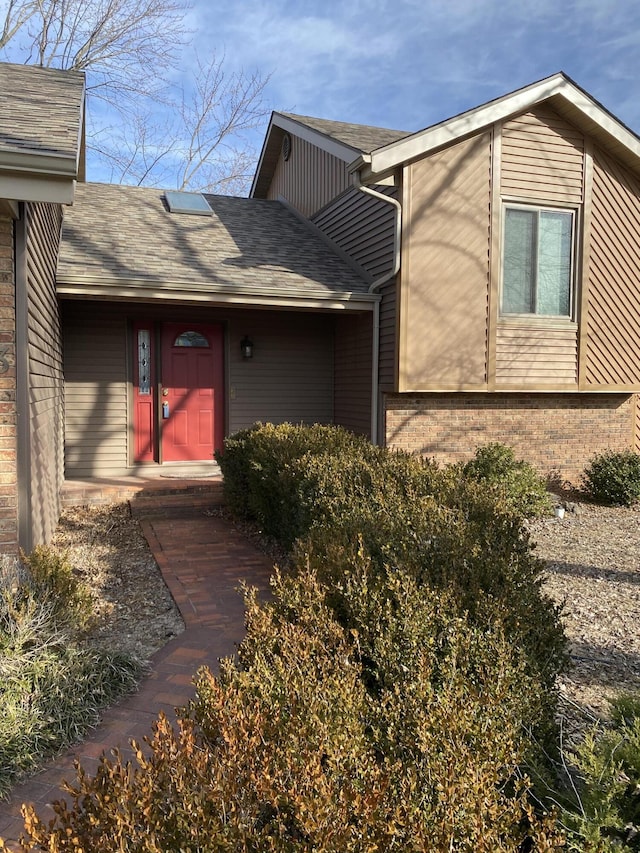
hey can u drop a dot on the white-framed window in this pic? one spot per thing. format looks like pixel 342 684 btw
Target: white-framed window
pixel 538 261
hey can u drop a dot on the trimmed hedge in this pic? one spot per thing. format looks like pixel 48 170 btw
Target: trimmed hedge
pixel 382 699
pixel 329 489
pixel 290 751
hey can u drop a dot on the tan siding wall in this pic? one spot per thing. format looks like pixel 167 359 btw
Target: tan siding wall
pixel 445 268
pixel 352 400
pixel 533 356
pixel 363 227
pixel 8 422
pixel 46 386
pixel 555 432
pixel 95 371
pixel 309 179
pixel 613 317
pixel 290 377
pixel 542 157
pixel 636 426
pixel 388 337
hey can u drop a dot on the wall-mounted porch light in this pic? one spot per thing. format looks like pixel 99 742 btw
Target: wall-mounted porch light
pixel 246 347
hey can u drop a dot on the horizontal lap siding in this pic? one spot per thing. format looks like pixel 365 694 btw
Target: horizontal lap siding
pixel 363 227
pixel 388 336
pixel 613 320
pixel 289 378
pixel 542 158
pixel 309 179
pixel 529 357
pixel 353 373
pixel 96 428
pixel 45 377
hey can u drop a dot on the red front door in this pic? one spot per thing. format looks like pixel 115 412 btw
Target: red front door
pixel 192 397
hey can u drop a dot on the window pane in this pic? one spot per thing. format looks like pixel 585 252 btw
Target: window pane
pixel 519 261
pixel 554 263
pixel 191 339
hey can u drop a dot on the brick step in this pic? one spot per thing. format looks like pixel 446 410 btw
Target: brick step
pixel 181 502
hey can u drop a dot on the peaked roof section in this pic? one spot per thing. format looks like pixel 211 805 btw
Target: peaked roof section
pixel 576 105
pixel 359 137
pixel 41 124
pixel 121 242
pixel 341 139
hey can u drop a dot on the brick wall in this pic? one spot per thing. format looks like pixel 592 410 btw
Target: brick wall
pixel 555 432
pixel 8 425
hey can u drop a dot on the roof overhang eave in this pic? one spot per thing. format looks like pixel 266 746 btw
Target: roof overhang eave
pixel 32 176
pixel 140 290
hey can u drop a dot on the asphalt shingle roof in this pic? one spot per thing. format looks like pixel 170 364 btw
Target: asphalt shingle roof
pixel 359 136
pixel 40 109
pixel 121 233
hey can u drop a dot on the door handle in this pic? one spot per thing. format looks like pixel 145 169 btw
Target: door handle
pixel 165 392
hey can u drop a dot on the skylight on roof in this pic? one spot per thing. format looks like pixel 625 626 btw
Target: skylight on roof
pixel 181 202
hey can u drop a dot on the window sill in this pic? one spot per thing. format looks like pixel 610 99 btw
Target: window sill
pixel 532 322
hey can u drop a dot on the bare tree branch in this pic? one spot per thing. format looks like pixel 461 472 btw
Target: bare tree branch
pixel 193 136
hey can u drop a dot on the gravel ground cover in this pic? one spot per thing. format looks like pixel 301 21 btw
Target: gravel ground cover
pixel 593 571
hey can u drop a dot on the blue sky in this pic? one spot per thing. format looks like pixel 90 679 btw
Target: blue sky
pixel 409 63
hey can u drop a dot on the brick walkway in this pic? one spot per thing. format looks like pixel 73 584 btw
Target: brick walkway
pixel 202 559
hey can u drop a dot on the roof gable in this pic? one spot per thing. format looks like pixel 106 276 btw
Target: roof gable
pixel 341 139
pixel 566 97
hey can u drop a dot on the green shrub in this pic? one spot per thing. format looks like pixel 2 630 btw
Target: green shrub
pixel 290 751
pixel 613 477
pixel 329 489
pixel 603 811
pixel 515 481
pixel 51 686
pixel 53 578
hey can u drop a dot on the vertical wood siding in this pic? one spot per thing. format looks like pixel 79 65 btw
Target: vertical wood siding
pixel 96 388
pixel 363 227
pixel 532 356
pixel 445 268
pixel 613 320
pixel 45 378
pixel 352 406
pixel 309 179
pixel 542 157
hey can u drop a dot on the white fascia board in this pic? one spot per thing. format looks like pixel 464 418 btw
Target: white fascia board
pixel 472 121
pixel 37 163
pixel 28 188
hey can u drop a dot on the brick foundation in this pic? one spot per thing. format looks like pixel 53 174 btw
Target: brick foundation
pixel 8 421
pixel 557 433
